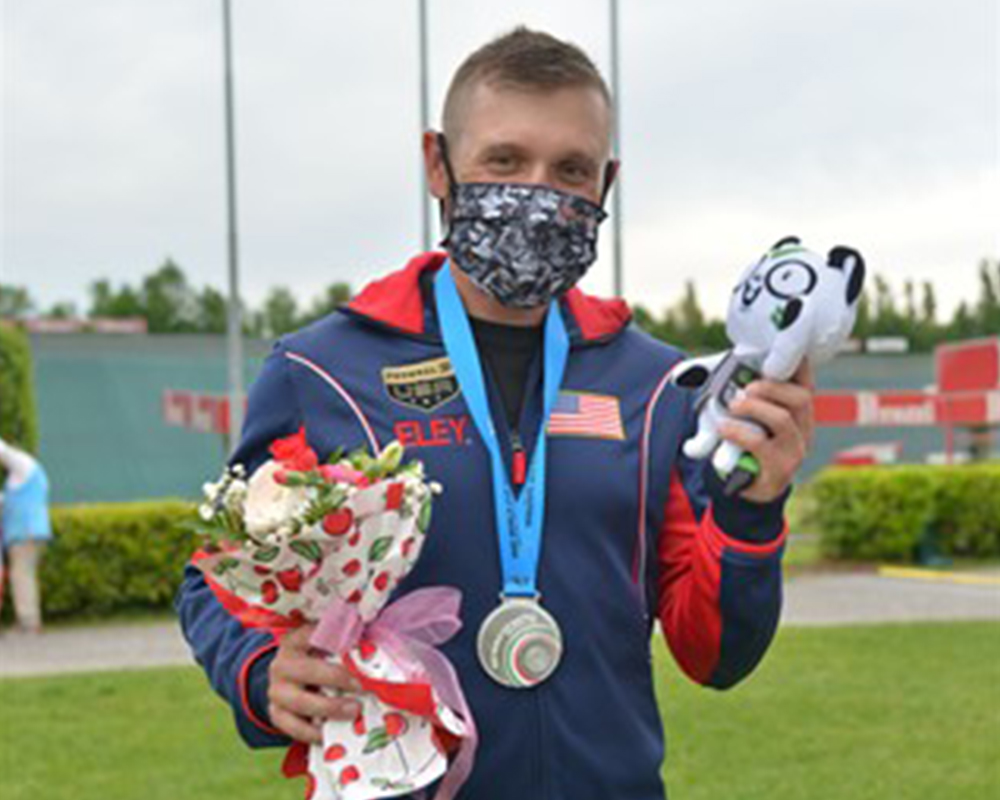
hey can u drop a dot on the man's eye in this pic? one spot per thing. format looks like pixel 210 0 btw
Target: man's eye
pixel 503 162
pixel 575 173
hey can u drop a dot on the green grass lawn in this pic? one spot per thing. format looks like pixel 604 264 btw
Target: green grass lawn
pixel 886 712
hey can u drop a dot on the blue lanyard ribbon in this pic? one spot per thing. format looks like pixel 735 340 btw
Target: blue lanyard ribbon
pixel 519 517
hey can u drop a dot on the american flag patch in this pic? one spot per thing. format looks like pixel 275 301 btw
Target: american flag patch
pixel 583 414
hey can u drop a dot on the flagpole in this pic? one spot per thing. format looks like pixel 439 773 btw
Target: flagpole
pixel 616 195
pixel 234 324
pixel 425 202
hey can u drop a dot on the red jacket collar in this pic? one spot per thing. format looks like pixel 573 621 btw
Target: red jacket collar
pixel 396 301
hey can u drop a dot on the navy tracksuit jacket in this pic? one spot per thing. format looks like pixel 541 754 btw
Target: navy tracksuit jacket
pixel 633 531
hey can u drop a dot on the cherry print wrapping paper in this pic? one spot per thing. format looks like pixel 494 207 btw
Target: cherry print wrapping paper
pixel 328 544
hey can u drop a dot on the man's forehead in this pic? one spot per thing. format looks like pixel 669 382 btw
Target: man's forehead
pixel 496 114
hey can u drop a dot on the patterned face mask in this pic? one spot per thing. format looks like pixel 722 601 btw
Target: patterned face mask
pixel 522 244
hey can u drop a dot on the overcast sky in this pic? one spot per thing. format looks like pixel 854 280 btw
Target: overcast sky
pixel 872 123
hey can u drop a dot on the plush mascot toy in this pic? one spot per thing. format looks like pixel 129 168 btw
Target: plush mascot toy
pixel 791 305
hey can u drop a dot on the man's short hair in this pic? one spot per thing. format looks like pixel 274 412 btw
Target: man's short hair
pixel 526 60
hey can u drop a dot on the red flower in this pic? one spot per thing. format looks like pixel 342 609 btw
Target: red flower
pixel 294 453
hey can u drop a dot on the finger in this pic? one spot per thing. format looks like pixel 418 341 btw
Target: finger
pixel 778 454
pixel 797 399
pixel 747 437
pixel 314 670
pixel 804 375
pixel 311 704
pixel 778 461
pixel 776 419
pixel 299 729
pixel 297 640
pixel 789 395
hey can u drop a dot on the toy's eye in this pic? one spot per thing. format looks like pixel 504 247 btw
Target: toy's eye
pixel 790 279
pixel 752 289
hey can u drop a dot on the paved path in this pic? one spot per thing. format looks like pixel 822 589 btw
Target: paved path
pixel 86 649
pixel 821 599
pixel 861 598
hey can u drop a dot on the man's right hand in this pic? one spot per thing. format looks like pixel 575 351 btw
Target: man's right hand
pixel 297 677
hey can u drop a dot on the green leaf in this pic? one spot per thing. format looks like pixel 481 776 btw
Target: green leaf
pixel 336 456
pixel 225 565
pixel 379 548
pixel 389 459
pixel 424 518
pixel 378 738
pixel 266 554
pixel 316 511
pixel 362 462
pixel 309 550
pixel 338 494
pixel 295 479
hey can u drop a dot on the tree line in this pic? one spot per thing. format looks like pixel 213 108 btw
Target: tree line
pixel 171 304
pixel 912 314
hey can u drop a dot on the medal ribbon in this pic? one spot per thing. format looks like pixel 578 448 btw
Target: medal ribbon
pixel 519 518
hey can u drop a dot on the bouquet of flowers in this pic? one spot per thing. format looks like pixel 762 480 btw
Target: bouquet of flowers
pixel 301 542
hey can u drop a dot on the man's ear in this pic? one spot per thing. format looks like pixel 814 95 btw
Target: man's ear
pixel 611 170
pixel 437 176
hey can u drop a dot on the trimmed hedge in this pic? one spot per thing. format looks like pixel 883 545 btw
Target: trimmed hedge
pixel 886 513
pixel 130 556
pixel 18 412
pixel 115 557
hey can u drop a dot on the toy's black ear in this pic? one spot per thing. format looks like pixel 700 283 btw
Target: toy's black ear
pixel 790 313
pixel 846 258
pixel 786 241
pixel 691 377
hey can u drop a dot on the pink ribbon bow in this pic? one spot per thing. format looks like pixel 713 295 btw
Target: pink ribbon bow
pixel 409 629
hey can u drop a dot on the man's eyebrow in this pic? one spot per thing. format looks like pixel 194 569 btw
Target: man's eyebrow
pixel 502 147
pixel 579 155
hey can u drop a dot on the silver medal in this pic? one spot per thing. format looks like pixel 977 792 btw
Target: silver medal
pixel 519 643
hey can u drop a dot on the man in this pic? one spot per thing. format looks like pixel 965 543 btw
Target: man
pixel 631 529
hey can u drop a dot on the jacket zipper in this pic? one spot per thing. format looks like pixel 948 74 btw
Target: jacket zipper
pixel 544 777
pixel 518 477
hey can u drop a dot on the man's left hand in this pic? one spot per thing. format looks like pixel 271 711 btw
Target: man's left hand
pixel 785 411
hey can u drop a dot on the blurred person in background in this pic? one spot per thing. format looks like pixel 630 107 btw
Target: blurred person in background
pixel 26 531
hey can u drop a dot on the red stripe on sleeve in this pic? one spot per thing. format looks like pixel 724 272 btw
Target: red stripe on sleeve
pixel 688 605
pixel 243 688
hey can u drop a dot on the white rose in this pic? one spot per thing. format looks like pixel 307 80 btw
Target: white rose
pixel 236 496
pixel 269 505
